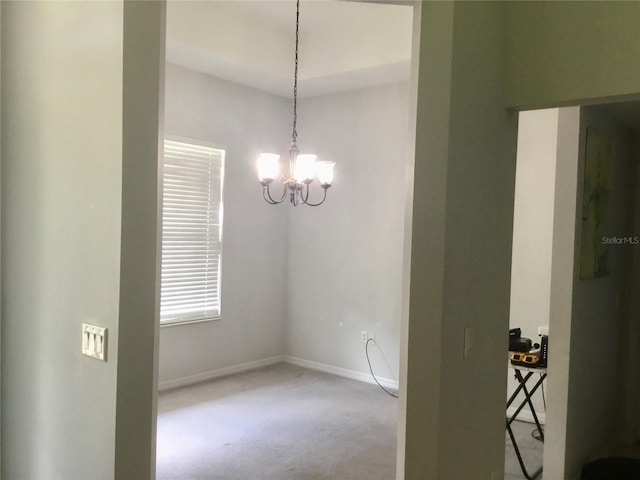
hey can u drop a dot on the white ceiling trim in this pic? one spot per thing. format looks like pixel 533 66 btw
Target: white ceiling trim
pixel 282 85
pixel 343 45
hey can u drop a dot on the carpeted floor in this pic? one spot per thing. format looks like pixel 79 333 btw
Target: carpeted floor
pixel 277 423
pixel 530 449
pixel 285 422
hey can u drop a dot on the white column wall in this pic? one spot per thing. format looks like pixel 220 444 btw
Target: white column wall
pixel 465 157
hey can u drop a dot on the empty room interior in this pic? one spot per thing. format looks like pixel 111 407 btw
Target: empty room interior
pixel 302 288
pixel 311 294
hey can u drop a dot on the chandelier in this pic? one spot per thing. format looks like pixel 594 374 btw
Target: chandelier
pixel 303 168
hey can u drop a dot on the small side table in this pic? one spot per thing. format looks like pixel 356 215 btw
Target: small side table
pixel 528 393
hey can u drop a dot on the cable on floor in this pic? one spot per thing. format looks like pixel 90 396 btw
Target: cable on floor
pixel 366 351
pixel 537 434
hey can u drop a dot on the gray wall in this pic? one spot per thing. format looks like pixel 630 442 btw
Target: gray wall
pixel 595 420
pixel 62 151
pixel 345 257
pixel 244 122
pixel 316 277
pixel 561 53
pixel 76 157
pixel 633 305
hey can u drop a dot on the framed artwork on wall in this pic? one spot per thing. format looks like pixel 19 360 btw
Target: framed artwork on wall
pixel 594 252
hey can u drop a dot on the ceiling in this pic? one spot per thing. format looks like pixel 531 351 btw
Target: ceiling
pixel 627 113
pixel 343 44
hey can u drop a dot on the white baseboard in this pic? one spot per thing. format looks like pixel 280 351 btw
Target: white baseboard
pixel 220 372
pixel 301 362
pixel 526 416
pixel 342 372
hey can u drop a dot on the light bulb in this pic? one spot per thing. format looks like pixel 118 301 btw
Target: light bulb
pixel 305 168
pixel 268 167
pixel 325 172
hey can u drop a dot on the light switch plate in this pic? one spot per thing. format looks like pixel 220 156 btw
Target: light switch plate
pixel 94 341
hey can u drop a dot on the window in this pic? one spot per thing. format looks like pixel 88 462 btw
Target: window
pixel 191 232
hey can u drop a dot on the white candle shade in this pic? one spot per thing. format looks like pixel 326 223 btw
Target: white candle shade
pixel 305 168
pixel 268 166
pixel 325 172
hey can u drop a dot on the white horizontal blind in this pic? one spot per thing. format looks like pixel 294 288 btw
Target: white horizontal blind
pixel 191 232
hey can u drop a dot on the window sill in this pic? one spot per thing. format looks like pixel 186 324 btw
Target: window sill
pixel 189 322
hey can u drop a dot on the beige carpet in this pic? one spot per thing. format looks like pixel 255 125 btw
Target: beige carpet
pixel 288 423
pixel 277 423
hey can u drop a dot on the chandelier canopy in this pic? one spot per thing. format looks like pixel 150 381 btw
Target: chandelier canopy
pixel 303 168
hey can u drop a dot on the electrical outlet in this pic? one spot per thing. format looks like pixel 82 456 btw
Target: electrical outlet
pixel 366 336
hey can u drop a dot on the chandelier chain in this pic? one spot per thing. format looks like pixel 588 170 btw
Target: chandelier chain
pixel 294 134
pixel 295 184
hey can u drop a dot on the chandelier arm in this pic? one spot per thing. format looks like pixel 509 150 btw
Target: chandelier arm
pixel 266 194
pixel 267 197
pixel 324 197
pixel 304 194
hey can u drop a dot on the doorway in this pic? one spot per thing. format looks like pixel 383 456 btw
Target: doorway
pixel 551 285
pixel 300 285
